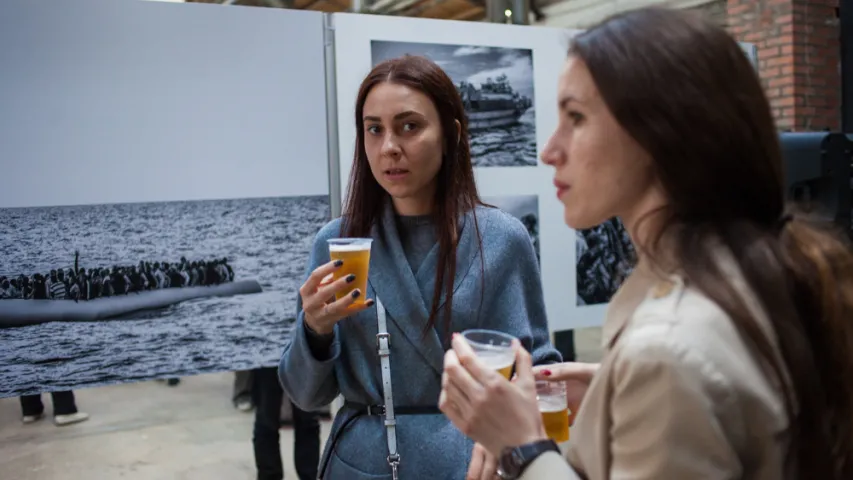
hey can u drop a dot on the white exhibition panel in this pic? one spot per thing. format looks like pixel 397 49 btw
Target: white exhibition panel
pixel 143 132
pixel 168 93
pixel 353 36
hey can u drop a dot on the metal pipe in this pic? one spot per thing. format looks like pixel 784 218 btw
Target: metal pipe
pixel 520 12
pixel 332 145
pixel 495 10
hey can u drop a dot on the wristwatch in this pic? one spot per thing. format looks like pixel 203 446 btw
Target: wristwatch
pixel 514 460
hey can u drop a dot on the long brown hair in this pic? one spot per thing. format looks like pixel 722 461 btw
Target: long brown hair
pixel 687 93
pixel 455 193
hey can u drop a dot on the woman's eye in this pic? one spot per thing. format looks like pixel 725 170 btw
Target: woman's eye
pixel 372 129
pixel 575 117
pixel 408 127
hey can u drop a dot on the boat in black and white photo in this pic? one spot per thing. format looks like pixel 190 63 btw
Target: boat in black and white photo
pixel 494 104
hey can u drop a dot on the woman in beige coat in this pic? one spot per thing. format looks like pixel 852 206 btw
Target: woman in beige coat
pixel 729 350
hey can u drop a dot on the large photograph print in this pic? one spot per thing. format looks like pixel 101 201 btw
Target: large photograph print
pixel 94 293
pixel 496 85
pixel 605 257
pixel 157 211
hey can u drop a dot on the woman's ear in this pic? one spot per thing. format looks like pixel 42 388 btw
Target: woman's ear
pixel 458 131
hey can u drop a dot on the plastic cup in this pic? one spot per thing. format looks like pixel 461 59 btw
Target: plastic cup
pixel 355 253
pixel 493 348
pixel 554 407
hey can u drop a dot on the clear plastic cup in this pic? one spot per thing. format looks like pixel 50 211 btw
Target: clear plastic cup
pixel 355 253
pixel 493 348
pixel 554 407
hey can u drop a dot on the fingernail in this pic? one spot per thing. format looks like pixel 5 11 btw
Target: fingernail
pixel 350 278
pixel 338 263
pixel 355 294
pixel 547 373
pixel 369 303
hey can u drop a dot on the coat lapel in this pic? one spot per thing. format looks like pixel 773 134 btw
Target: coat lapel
pixel 466 251
pixel 394 283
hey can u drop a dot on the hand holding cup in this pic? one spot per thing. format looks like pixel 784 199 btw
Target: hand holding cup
pixel 336 289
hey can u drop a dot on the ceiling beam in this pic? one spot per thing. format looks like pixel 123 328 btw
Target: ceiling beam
pixel 470 14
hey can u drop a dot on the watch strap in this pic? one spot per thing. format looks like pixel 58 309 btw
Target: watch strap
pixel 514 461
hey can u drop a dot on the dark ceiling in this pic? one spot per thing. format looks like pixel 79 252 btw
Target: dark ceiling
pixel 474 10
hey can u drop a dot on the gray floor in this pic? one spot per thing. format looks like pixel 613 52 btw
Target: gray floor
pixel 151 431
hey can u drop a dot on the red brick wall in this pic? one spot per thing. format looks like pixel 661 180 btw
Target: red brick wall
pixel 798 56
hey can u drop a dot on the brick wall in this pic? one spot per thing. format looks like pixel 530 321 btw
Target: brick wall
pixel 798 56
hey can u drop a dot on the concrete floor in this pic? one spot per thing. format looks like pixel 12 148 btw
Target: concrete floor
pixel 153 432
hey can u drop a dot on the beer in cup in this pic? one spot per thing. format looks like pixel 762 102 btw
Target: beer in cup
pixel 492 348
pixel 355 253
pixel 554 407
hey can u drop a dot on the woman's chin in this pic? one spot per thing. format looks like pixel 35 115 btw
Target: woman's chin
pixel 578 221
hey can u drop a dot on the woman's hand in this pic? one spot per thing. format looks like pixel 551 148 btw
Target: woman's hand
pixel 483 466
pixel 576 375
pixel 321 309
pixel 487 407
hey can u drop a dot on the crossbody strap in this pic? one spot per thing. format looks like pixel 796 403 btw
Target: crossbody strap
pixel 383 345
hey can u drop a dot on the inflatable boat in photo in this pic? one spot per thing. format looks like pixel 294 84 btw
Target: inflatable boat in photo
pixel 18 313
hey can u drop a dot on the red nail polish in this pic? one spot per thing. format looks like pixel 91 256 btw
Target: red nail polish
pixel 547 373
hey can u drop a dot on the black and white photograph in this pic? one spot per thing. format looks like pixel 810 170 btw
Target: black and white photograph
pixel 523 207
pixel 147 290
pixel 496 85
pixel 604 256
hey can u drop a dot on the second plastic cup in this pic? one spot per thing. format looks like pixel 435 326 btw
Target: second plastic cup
pixel 554 407
pixel 493 348
pixel 355 253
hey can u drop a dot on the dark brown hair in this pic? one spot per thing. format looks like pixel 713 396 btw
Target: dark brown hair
pixel 456 191
pixel 687 93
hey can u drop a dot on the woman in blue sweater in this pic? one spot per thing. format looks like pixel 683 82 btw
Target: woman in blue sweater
pixel 441 262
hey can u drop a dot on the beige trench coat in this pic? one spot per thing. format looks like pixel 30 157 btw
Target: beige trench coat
pixel 678 396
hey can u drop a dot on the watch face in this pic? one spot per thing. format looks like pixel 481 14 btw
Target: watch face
pixel 510 463
pixel 514 460
pixel 517 458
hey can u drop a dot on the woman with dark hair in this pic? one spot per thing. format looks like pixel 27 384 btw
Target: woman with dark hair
pixel 440 262
pixel 729 350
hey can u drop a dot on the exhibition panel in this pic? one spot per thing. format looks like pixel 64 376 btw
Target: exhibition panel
pixel 161 187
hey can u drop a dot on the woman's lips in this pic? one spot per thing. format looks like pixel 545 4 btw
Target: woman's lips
pixel 396 174
pixel 562 188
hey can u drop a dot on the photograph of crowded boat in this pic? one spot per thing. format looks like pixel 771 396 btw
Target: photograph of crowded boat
pixel 114 290
pixel 118 292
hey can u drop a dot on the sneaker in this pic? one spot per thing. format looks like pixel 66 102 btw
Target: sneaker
pixel 244 405
pixel 63 420
pixel 32 418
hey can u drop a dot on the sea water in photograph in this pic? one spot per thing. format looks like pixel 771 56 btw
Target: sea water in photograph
pixel 604 258
pixel 218 292
pixel 496 85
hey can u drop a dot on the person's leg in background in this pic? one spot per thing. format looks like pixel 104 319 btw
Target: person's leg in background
pixel 31 408
pixel 65 409
pixel 267 396
pixel 306 442
pixel 241 396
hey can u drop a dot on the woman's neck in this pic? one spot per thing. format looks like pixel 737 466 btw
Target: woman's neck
pixel 411 207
